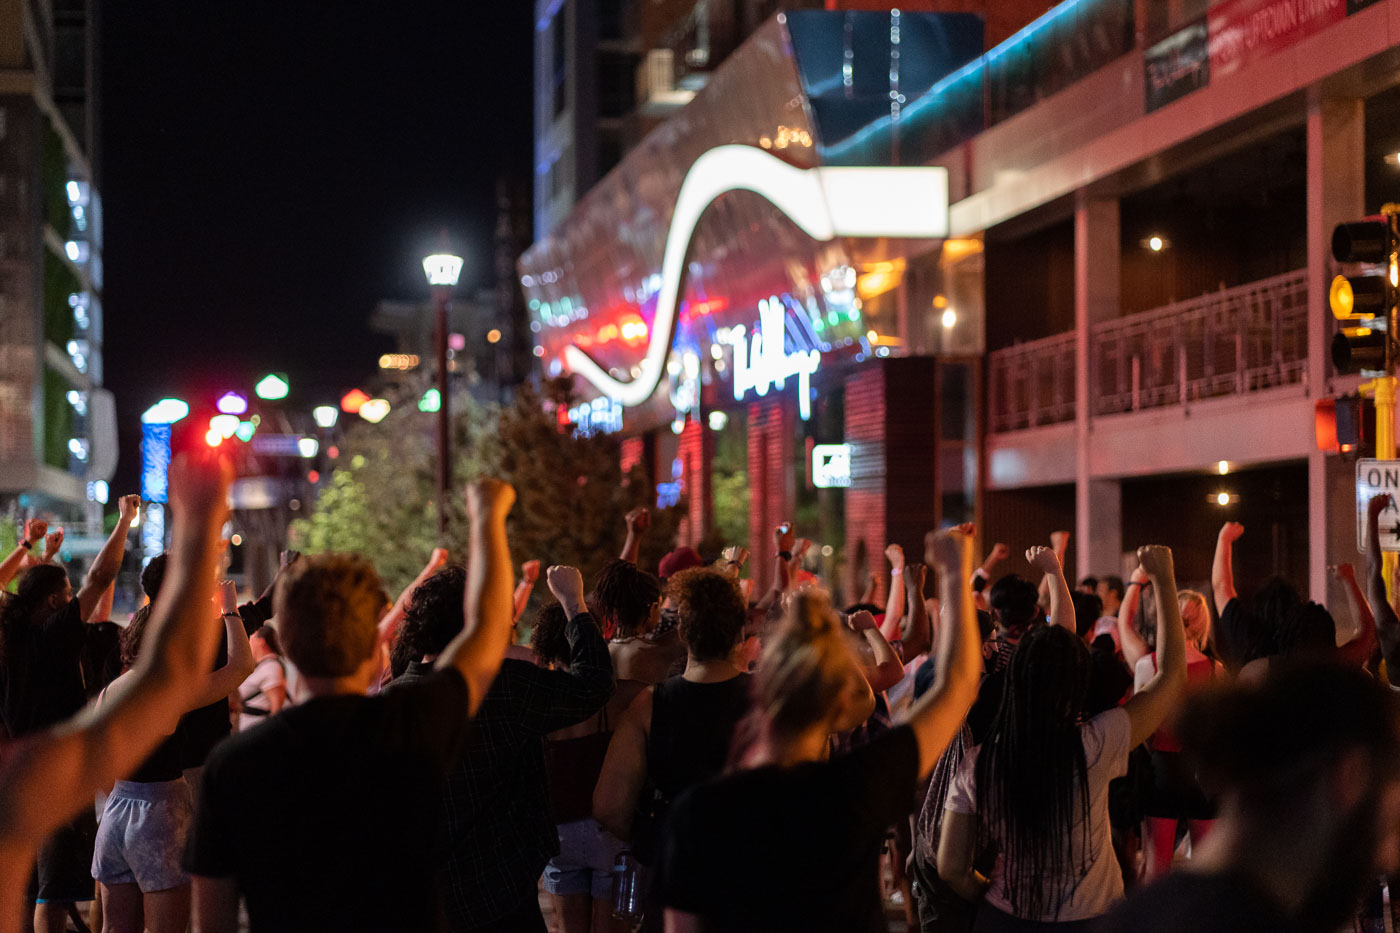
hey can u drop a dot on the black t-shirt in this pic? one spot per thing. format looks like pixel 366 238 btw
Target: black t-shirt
pixel 325 814
pixel 1201 903
pixel 790 848
pixel 42 679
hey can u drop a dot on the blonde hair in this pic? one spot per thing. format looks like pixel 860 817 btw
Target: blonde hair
pixel 1197 625
pixel 805 669
pixel 327 609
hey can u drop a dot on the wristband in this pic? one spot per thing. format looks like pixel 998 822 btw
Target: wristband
pixel 1134 583
pixel 785 555
pixel 24 543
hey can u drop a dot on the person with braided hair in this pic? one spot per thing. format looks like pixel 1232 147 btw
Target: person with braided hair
pixel 813 828
pixel 1036 790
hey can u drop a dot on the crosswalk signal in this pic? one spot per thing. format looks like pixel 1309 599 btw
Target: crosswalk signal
pixel 1365 301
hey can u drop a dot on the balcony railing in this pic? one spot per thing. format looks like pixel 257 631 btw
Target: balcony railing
pixel 1231 342
pixel 1032 383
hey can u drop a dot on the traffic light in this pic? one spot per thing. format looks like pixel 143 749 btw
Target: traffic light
pixel 1365 301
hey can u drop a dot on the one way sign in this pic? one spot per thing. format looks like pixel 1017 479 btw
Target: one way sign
pixel 1374 477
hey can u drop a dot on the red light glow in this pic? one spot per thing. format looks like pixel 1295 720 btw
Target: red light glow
pixel 353 401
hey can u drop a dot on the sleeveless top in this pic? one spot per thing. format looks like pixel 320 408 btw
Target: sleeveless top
pixel 571 768
pixel 166 763
pixel 692 728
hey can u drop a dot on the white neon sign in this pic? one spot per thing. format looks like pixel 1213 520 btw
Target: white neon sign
pixel 824 202
pixel 762 361
pixel 831 466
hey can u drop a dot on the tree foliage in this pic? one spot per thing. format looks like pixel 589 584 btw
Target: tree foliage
pixel 571 494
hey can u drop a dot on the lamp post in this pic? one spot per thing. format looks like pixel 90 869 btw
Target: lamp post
pixel 442 270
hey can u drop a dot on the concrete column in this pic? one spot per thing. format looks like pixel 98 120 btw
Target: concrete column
pixel 1098 527
pixel 1336 174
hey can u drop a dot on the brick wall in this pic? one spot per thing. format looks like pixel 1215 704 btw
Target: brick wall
pixel 695 483
pixel 771 436
pixel 891 428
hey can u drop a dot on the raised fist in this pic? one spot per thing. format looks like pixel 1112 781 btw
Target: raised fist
pixel 35 529
pixel 566 583
pixel 1232 530
pixel 638 520
pixel 1043 559
pixel 861 621
pixel 128 507
pixel 784 537
pixel 1156 560
pixel 53 541
pixel 1059 540
pixel 530 570
pixel 1000 552
pixel 489 497
pixel 895 555
pixel 198 486
pixel 950 550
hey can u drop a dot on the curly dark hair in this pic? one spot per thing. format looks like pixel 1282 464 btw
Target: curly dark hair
pixel 711 610
pixel 153 575
pixel 547 634
pixel 433 617
pixel 623 596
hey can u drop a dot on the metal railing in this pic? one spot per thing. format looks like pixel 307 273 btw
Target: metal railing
pixel 1031 384
pixel 1230 342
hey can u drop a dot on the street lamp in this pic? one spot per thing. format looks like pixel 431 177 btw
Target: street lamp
pixel 442 270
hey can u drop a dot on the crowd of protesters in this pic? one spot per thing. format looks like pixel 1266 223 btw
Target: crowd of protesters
pixel 677 752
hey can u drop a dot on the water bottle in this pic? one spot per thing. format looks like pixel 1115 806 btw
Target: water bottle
pixel 627 895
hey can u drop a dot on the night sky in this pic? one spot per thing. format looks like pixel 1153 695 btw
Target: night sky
pixel 270 170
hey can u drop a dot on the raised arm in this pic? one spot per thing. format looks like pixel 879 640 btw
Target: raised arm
pixel 1222 569
pixel 529 573
pixel 1151 705
pixel 1387 624
pixel 938 714
pixel 34 531
pixel 887 669
pixel 108 560
pixel 784 540
pixel 1357 649
pixel 53 776
pixel 1133 645
pixel 1061 605
pixel 561 698
pixel 638 521
pixel 624 771
pixel 389 625
pixel 102 612
pixel 894 602
pixel 917 632
pixel 478 651
pixel 240 663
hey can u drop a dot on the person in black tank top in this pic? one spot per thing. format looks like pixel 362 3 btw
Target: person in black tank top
pixel 146 818
pixel 678 733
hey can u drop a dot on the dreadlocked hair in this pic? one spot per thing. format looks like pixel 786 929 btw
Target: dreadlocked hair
pixel 1032 776
pixel 623 596
pixel 37 585
pixel 432 618
pixel 805 669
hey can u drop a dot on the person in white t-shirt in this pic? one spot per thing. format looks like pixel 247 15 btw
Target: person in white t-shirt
pixel 1036 791
pixel 264 692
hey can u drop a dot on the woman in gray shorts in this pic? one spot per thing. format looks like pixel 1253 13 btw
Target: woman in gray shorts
pixel 141 835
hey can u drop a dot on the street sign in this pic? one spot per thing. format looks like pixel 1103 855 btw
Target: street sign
pixel 1374 477
pixel 277 445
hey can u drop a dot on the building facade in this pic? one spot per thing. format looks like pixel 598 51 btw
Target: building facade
pixel 1122 332
pixel 57 424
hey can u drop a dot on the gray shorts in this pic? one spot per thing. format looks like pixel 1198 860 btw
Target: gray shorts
pixel 141 837
pixel 584 865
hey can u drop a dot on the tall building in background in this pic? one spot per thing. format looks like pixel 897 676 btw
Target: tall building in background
pixel 607 72
pixel 1120 330
pixel 57 425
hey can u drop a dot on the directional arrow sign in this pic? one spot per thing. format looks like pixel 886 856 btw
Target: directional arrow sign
pixel 1374 477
